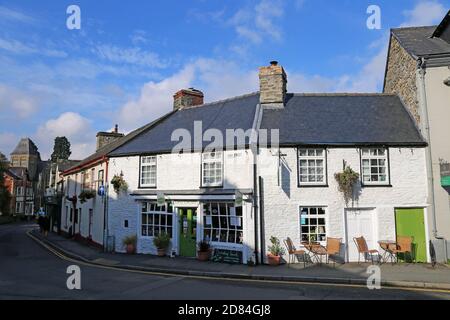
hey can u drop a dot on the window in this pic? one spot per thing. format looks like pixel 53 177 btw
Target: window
pixel 156 219
pixel 212 165
pixel 101 177
pixel 148 171
pixel 222 222
pixel 312 224
pixel 374 163
pixel 312 166
pixel 19 206
pixel 92 179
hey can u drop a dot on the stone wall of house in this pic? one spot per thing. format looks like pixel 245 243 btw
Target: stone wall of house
pixel 282 201
pixel 401 77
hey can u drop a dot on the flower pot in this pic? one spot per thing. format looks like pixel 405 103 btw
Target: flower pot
pixel 161 252
pixel 203 255
pixel 273 260
pixel 130 248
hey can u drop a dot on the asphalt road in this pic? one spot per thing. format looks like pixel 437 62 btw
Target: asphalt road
pixel 29 271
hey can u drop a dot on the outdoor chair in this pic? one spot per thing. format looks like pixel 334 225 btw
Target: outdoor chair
pixel 361 244
pixel 404 246
pixel 333 248
pixel 293 252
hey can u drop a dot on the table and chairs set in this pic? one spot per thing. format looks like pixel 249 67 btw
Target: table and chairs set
pixel 315 252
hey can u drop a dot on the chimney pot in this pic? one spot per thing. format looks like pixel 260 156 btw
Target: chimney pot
pixel 274 63
pixel 187 98
pixel 116 128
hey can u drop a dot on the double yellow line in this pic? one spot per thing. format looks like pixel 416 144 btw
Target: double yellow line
pixel 96 265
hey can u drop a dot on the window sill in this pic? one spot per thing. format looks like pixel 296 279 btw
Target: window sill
pixel 376 185
pixel 312 186
pixel 211 187
pixel 147 187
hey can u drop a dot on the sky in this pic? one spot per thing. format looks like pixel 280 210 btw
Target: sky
pixel 129 57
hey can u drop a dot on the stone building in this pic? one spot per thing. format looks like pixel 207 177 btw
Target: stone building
pixel 418 70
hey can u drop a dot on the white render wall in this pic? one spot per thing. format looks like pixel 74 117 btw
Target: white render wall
pixel 281 203
pixel 175 172
pixel 96 204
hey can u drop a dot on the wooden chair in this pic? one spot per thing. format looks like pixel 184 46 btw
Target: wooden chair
pixel 333 248
pixel 293 252
pixel 361 244
pixel 404 246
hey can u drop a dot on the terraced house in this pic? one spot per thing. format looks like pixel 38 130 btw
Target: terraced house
pixel 279 182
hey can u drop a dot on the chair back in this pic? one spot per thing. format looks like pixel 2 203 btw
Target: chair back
pixel 404 243
pixel 289 245
pixel 361 244
pixel 333 245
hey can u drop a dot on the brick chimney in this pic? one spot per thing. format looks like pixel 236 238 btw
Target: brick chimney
pixel 187 98
pixel 105 138
pixel 272 85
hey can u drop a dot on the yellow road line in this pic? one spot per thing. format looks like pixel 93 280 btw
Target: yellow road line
pixel 63 257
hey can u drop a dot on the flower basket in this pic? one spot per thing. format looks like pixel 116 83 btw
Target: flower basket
pixel 119 184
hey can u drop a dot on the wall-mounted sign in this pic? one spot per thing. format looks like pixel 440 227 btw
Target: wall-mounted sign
pixel 160 199
pixel 238 198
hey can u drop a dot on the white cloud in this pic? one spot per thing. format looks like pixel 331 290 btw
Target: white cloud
pixel 259 22
pixel 17 47
pixel 425 13
pixel 8 142
pixel 133 55
pixel 10 14
pixel 16 103
pixel 75 127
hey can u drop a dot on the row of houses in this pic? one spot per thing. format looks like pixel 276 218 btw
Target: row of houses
pixel 238 171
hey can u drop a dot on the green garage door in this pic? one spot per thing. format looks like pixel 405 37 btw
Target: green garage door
pixel 410 222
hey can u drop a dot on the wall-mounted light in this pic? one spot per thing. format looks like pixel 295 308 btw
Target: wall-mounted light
pixel 447 82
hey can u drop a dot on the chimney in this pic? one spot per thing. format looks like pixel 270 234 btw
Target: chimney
pixel 187 98
pixel 105 138
pixel 272 85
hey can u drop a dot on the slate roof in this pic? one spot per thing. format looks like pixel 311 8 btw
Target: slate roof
pixel 25 146
pixel 234 113
pixel 418 41
pixel 114 145
pixel 343 119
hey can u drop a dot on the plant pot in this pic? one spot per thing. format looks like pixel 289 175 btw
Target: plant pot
pixel 273 260
pixel 161 252
pixel 203 255
pixel 130 249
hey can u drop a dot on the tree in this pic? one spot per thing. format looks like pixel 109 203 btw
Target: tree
pixel 61 149
pixel 5 197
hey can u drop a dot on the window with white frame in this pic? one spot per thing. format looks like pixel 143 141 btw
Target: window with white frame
pixel 222 222
pixel 156 219
pixel 313 224
pixel 148 171
pixel 212 169
pixel 312 166
pixel 374 165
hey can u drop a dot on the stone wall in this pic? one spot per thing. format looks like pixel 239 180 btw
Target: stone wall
pixel 272 81
pixel 401 77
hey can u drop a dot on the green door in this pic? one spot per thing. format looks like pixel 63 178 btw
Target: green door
pixel 188 231
pixel 410 222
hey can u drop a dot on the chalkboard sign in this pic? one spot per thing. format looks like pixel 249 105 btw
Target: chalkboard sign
pixel 227 256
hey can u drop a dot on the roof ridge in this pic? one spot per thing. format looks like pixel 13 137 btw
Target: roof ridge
pixel 222 101
pixel 414 27
pixel 344 94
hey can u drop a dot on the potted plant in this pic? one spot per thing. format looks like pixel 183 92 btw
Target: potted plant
pixel 130 243
pixel 161 242
pixel 119 184
pixel 204 250
pixel 275 251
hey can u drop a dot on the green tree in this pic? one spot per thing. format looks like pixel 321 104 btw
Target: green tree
pixel 61 149
pixel 5 197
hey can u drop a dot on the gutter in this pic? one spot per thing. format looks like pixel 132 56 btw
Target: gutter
pixel 420 75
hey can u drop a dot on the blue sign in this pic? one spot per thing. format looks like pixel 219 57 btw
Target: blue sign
pixel 101 191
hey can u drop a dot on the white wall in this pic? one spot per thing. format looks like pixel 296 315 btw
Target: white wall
pixel 438 104
pixel 281 203
pixel 174 172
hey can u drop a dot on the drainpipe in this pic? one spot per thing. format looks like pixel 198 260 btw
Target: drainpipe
pixel 420 75
pixel 105 208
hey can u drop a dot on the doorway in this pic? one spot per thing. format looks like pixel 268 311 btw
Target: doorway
pixel 359 222
pixel 188 231
pixel 411 222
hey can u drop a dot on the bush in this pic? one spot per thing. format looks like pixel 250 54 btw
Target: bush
pixel 161 241
pixel 275 249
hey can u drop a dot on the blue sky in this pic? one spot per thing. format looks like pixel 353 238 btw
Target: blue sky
pixel 130 57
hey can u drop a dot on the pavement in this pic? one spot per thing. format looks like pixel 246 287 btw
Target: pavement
pixel 401 275
pixel 32 269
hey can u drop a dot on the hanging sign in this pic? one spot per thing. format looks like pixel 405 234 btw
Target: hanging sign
pixel 161 199
pixel 238 198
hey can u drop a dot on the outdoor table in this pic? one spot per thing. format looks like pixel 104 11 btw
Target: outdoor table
pixel 316 249
pixel 386 245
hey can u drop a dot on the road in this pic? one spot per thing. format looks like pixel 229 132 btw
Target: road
pixel 29 271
